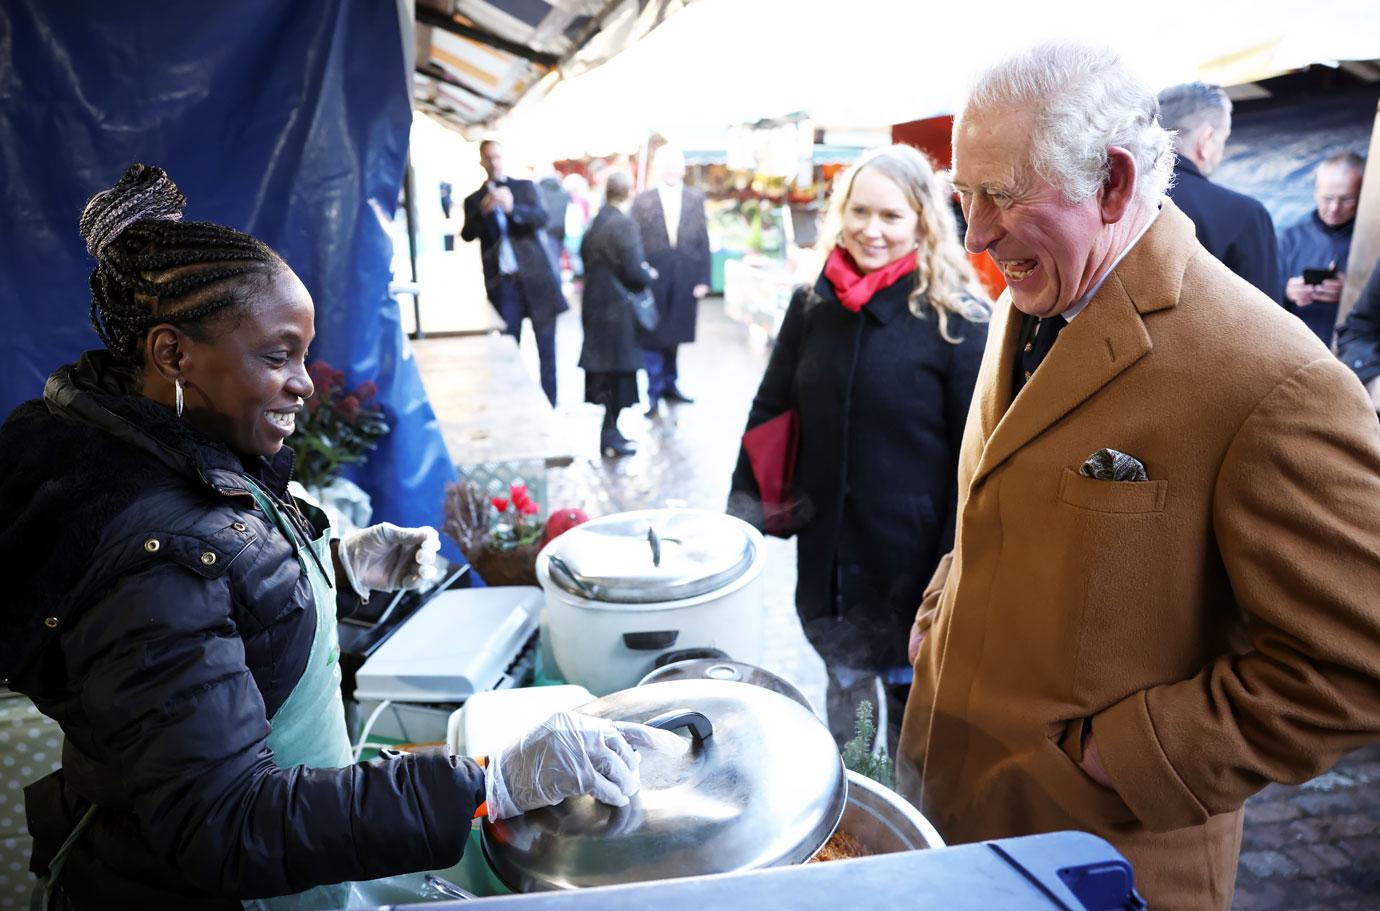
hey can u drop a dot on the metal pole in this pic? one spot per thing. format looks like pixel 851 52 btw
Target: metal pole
pixel 410 206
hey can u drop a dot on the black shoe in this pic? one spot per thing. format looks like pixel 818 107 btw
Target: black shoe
pixel 680 398
pixel 614 444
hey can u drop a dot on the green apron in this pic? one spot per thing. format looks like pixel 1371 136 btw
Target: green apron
pixel 309 729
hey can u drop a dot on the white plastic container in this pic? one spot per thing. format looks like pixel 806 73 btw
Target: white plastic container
pixel 489 721
pixel 625 589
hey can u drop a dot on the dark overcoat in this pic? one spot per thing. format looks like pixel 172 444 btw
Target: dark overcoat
pixel 612 253
pixel 537 271
pixel 1232 226
pixel 679 268
pixel 161 619
pixel 1358 340
pixel 882 398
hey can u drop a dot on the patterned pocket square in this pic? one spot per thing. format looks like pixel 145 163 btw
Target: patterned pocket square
pixel 1110 465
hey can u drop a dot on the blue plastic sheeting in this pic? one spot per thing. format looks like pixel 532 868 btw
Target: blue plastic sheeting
pixel 286 120
pixel 1273 151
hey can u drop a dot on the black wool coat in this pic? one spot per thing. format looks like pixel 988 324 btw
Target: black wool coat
pixel 612 254
pixel 882 399
pixel 679 268
pixel 1358 340
pixel 1232 226
pixel 163 667
pixel 537 270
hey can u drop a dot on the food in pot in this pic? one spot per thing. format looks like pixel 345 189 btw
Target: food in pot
pixel 840 846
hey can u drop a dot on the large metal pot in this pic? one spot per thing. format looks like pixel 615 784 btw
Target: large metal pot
pixel 624 589
pixel 884 822
pixel 759 784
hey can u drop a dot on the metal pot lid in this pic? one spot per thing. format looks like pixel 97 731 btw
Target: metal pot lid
pixel 650 555
pixel 765 787
pixel 723 669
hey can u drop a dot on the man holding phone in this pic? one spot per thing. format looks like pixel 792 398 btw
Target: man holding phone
pixel 1313 251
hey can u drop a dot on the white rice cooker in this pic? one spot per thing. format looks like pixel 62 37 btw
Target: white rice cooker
pixel 623 590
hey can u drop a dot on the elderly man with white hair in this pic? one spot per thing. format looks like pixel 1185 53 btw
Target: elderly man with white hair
pixel 1163 590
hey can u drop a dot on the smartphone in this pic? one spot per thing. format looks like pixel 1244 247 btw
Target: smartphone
pixel 1318 276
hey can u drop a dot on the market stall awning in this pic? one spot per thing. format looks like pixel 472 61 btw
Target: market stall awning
pixel 475 59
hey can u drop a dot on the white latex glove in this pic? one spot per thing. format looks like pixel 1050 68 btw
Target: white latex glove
pixel 569 755
pixel 385 557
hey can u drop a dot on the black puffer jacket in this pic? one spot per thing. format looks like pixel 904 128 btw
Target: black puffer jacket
pixel 163 661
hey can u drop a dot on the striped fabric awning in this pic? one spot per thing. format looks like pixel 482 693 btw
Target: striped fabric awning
pixel 477 58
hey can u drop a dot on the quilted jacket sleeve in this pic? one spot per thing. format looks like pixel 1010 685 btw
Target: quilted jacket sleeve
pixel 162 681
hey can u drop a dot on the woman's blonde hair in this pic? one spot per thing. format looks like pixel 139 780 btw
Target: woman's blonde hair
pixel 943 275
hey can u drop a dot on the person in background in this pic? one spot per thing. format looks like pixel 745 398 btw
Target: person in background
pixel 508 218
pixel 1162 593
pixel 577 218
pixel 174 608
pixel 1321 241
pixel 671 219
pixel 879 358
pixel 1232 226
pixel 1358 339
pixel 557 201
pixel 614 267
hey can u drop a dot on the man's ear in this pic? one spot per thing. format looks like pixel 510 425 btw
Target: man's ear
pixel 165 348
pixel 1120 186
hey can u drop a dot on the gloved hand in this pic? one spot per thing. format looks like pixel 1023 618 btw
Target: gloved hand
pixel 568 755
pixel 385 557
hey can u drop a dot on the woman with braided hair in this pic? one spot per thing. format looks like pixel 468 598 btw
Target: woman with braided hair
pixel 175 607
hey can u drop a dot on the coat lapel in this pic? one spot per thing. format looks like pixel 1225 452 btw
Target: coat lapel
pixel 1095 348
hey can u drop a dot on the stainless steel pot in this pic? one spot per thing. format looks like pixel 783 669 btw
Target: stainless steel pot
pixel 883 821
pixel 725 669
pixel 759 784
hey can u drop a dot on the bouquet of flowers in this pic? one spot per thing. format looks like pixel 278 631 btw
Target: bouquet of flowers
pixel 337 427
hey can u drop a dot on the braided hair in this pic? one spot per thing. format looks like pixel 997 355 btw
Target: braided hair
pixel 152 267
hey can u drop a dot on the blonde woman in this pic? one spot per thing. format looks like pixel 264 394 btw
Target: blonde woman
pixel 879 358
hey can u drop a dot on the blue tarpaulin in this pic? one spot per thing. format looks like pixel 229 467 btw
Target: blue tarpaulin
pixel 289 121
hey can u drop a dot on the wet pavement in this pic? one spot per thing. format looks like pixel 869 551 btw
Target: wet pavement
pixel 1315 846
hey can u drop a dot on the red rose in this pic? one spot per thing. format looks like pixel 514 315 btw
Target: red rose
pixel 500 503
pixel 517 491
pixel 367 390
pixel 321 377
pixel 349 406
pixel 527 507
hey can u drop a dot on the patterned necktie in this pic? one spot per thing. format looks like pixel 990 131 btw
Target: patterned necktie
pixel 1037 337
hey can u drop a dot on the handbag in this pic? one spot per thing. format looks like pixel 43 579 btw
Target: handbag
pixel 772 448
pixel 644 310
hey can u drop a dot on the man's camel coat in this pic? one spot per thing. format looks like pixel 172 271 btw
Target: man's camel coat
pixel 1218 625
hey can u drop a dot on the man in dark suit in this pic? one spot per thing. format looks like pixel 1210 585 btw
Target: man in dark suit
pixel 507 216
pixel 1234 227
pixel 671 220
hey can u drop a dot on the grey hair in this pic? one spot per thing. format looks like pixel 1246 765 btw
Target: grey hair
pixel 1189 107
pixel 1349 161
pixel 617 187
pixel 1084 101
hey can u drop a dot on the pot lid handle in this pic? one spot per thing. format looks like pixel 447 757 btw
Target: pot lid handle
pixel 654 540
pixel 700 728
pixel 560 566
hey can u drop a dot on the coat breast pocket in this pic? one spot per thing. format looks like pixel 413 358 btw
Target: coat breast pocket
pixel 1112 496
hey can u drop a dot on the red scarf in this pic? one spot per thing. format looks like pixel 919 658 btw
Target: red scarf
pixel 853 287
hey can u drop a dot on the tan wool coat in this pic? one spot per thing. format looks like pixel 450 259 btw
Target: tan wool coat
pixel 1216 627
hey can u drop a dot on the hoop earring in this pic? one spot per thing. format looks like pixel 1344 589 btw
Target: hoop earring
pixel 177 396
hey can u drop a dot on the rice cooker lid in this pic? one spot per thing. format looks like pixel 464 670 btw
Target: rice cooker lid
pixel 759 784
pixel 651 555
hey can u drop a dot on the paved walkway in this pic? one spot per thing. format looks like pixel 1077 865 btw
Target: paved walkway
pixel 1316 846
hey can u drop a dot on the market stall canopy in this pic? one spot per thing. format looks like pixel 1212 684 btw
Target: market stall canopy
pixel 475 59
pixel 871 63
